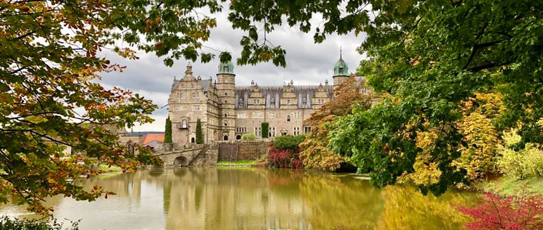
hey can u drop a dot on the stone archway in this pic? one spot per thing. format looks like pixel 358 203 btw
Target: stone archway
pixel 181 161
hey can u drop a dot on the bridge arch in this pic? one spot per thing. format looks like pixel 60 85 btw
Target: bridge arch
pixel 181 161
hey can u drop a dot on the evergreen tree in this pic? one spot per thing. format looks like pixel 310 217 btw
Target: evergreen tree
pixel 265 128
pixel 168 131
pixel 199 136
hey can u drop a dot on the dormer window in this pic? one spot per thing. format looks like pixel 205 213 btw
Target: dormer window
pixel 240 102
pixel 304 101
pixel 272 103
pixel 341 69
pixel 225 69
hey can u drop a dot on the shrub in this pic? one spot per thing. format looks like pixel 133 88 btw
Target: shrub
pixel 521 212
pixel 16 224
pixel 248 137
pixel 523 163
pixel 284 158
pixel 288 142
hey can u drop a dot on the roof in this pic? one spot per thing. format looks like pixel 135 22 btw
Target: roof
pixel 153 137
pixel 275 93
pixel 204 83
pixel 226 68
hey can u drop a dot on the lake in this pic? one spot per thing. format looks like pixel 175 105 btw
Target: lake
pixel 253 199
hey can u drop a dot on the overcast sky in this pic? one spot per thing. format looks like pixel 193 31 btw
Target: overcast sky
pixel 307 63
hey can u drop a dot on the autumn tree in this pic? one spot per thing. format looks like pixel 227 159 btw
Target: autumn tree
pixel 168 131
pixel 314 149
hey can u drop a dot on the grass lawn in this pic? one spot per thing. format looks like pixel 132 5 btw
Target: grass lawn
pixel 510 186
pixel 106 168
pixel 236 163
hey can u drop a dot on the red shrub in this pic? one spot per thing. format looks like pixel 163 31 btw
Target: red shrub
pixel 284 159
pixel 514 212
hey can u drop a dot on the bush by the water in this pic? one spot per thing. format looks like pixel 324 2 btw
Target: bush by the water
pixel 248 137
pixel 285 152
pixel 17 224
pixel 521 212
pixel 288 142
pixel 278 158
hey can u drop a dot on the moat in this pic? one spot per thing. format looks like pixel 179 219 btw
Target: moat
pixel 253 199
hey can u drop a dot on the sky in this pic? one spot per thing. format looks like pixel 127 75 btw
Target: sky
pixel 307 63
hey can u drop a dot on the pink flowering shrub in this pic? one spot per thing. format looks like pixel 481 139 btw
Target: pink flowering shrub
pixel 521 212
pixel 284 159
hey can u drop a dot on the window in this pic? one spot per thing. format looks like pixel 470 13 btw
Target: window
pixel 296 131
pixel 307 129
pixel 272 132
pixel 225 115
pixel 196 108
pixel 297 115
pixel 258 131
pixel 241 129
pixel 225 69
pixel 184 124
pixel 272 103
pixel 320 101
pixel 225 94
pixel 180 95
pixel 240 103
pixel 304 101
pixel 242 115
pixel 288 102
pixel 258 115
pixel 225 102
pixel 226 123
pixel 272 115
pixel 288 117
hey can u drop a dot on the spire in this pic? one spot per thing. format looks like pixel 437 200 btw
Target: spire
pixel 340 53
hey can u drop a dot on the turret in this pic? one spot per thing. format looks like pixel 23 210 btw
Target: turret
pixel 341 70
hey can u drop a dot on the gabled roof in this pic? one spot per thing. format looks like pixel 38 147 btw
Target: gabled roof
pixel 153 137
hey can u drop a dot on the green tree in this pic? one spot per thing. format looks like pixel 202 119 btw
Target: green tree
pixel 265 129
pixel 199 135
pixel 427 57
pixel 168 131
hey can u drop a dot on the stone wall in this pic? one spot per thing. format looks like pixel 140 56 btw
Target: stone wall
pixel 242 151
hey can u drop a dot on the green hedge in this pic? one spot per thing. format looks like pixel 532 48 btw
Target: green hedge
pixel 248 137
pixel 288 142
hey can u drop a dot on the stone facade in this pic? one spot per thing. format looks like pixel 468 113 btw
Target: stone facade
pixel 227 111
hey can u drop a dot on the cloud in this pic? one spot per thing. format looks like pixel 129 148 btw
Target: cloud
pixel 307 63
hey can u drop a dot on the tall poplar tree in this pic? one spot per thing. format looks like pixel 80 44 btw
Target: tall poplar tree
pixel 199 135
pixel 168 131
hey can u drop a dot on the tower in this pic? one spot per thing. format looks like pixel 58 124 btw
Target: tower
pixel 225 91
pixel 341 70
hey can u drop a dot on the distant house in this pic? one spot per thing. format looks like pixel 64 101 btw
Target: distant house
pixel 153 140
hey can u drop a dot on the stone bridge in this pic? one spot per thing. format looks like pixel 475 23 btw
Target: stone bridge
pixel 188 155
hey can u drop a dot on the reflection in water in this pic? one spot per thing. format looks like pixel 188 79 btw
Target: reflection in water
pixel 259 199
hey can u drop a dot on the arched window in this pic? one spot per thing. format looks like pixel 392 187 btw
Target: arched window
pixel 184 124
pixel 341 69
pixel 225 137
pixel 192 140
pixel 288 117
pixel 225 115
pixel 225 69
pixel 240 102
pixel 238 137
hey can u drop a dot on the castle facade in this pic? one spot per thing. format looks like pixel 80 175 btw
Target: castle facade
pixel 227 111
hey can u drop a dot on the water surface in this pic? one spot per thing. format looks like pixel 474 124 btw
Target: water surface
pixel 252 199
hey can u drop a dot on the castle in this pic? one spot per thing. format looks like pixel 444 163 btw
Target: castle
pixel 227 111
